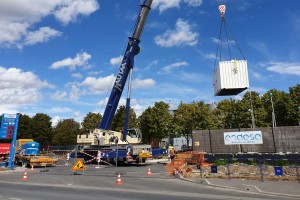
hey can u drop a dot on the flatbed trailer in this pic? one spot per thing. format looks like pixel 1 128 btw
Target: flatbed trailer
pixel 35 160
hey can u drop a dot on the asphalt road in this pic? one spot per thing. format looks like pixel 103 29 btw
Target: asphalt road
pixel 60 183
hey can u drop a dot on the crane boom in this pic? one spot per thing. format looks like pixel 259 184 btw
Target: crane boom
pixel 125 67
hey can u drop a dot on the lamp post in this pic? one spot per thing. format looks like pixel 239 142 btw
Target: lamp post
pixel 252 114
pixel 273 113
pixel 252 117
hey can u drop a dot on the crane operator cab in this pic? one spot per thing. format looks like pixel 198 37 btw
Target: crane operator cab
pixel 135 133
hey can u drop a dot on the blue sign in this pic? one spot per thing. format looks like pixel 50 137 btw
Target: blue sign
pixel 8 130
pixel 278 171
pixel 8 123
pixel 214 169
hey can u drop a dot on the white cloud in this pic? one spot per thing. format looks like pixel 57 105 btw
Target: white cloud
pixel 98 84
pixel 73 95
pixel 18 19
pixel 80 60
pixel 59 96
pixel 153 63
pixel 19 88
pixel 209 56
pixel 55 120
pixel 116 61
pixel 75 92
pixel 181 36
pixel 77 115
pixel 256 75
pixel 69 10
pixel 41 35
pixel 103 102
pixel 216 40
pixel 146 83
pixel 17 78
pixel 193 3
pixel 169 68
pixel 61 110
pixel 11 33
pixel 284 68
pixel 163 5
pixel 77 75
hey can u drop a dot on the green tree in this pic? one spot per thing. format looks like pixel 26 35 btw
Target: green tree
pixel 65 132
pixel 203 116
pixel 294 93
pixel 24 127
pixel 91 121
pixel 184 120
pixel 42 129
pixel 224 114
pixel 283 108
pixel 245 110
pixel 119 119
pixel 155 122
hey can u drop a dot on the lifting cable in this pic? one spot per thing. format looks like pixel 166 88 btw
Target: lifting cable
pixel 224 26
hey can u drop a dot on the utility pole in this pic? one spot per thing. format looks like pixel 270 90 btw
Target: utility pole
pixel 273 113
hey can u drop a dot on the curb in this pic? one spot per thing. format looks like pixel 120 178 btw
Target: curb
pixel 244 187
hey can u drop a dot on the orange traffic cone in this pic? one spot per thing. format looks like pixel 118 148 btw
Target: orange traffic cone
pixel 24 177
pixel 149 172
pixel 32 170
pixel 119 181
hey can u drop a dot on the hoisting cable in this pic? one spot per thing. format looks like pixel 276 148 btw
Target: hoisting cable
pixel 222 12
pixel 237 44
pixel 227 39
pixel 222 9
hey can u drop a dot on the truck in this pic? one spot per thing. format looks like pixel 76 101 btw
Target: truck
pixel 28 154
pixel 125 146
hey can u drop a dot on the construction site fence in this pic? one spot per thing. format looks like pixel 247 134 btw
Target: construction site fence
pixel 275 139
pixel 267 169
pixel 256 168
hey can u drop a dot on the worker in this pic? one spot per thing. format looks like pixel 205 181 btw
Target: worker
pixel 172 153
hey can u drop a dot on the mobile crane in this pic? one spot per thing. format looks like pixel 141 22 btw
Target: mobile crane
pixel 113 146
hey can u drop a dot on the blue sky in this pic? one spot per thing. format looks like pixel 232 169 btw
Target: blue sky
pixel 60 57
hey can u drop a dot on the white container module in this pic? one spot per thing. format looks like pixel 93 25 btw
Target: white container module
pixel 231 78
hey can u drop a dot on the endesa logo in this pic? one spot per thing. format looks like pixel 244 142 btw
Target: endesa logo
pixel 247 137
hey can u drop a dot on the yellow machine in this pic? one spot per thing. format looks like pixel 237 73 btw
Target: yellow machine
pixel 28 154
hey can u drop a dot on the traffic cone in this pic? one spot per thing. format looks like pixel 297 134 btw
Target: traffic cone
pixel 32 170
pixel 24 177
pixel 149 172
pixel 119 181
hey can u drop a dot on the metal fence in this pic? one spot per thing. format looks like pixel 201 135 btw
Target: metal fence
pixel 277 139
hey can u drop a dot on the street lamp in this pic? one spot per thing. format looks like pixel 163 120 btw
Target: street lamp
pixel 273 113
pixel 252 116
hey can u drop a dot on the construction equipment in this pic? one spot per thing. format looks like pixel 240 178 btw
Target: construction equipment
pixel 28 154
pixel 122 146
pixel 230 76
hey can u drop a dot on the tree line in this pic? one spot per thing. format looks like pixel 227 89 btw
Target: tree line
pixel 157 122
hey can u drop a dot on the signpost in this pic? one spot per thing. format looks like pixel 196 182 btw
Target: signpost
pixel 246 137
pixel 8 130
